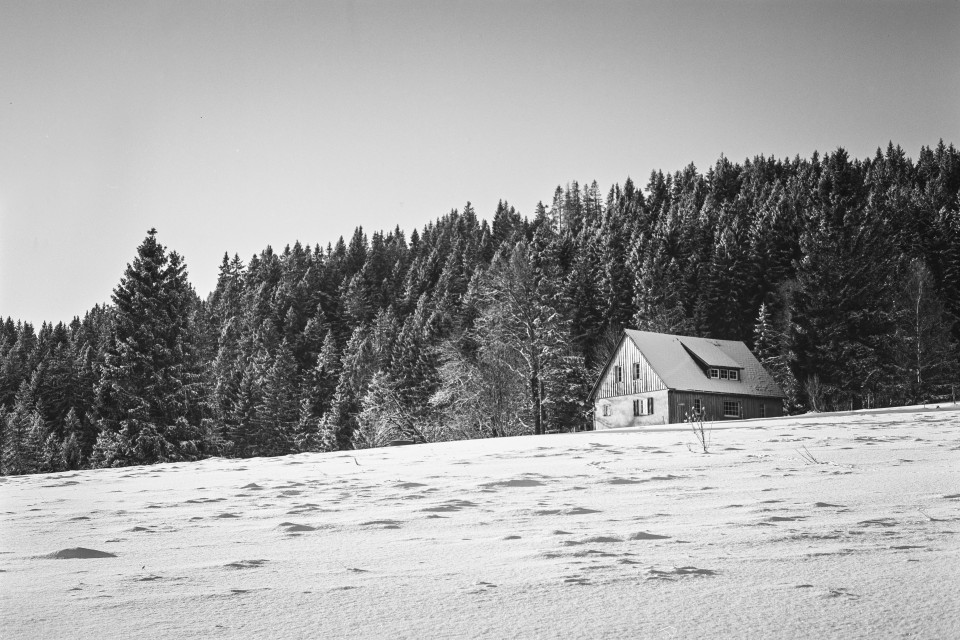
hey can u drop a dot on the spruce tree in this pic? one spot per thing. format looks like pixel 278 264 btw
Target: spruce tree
pixel 149 377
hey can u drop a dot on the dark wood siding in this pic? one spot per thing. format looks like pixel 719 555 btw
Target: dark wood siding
pixel 628 354
pixel 683 401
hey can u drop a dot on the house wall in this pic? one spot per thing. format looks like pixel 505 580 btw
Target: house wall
pixel 713 405
pixel 627 354
pixel 621 410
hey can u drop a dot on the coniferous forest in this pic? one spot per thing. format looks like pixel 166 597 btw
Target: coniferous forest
pixel 842 275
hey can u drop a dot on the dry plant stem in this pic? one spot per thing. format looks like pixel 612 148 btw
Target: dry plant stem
pixel 808 457
pixel 701 433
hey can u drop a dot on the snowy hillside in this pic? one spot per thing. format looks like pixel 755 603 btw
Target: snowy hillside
pixel 606 534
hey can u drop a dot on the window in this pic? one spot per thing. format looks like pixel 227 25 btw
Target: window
pixel 734 374
pixel 714 373
pixel 763 410
pixel 606 410
pixel 723 374
pixel 731 409
pixel 618 374
pixel 649 406
pixel 697 406
pixel 636 370
pixel 636 407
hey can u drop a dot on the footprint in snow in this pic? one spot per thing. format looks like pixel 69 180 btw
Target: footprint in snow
pixel 575 511
pixel 908 546
pixel 517 482
pixel 245 564
pixel 678 572
pixel 480 587
pixel 78 553
pixel 382 524
pixel 841 592
pixel 602 539
pixel 643 535
pixel 594 553
pixel 451 505
pixel 878 522
pixel 293 527
pixel 305 509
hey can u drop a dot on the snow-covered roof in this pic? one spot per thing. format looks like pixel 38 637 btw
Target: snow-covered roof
pixel 674 358
pixel 708 353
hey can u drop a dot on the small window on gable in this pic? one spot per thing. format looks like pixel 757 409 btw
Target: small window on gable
pixel 636 407
pixel 636 370
pixel 723 374
pixel 714 373
pixel 618 373
pixel 649 406
pixel 734 374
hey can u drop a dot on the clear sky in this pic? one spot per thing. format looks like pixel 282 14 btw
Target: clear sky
pixel 235 124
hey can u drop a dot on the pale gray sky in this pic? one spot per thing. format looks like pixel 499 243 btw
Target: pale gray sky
pixel 236 124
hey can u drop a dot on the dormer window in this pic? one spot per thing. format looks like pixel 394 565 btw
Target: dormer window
pixel 716 373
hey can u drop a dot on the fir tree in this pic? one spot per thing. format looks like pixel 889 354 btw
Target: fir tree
pixel 149 378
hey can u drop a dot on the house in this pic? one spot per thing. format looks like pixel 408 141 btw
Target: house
pixel 657 378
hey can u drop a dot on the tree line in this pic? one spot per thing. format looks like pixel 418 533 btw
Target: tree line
pixel 843 275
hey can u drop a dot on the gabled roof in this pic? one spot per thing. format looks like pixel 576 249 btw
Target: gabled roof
pixel 674 359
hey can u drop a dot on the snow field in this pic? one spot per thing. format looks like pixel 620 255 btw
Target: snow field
pixel 601 534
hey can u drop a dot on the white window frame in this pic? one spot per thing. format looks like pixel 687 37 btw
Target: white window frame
pixel 715 374
pixel 723 374
pixel 697 406
pixel 734 374
pixel 736 408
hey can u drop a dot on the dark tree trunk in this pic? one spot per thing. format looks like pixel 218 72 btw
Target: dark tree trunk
pixel 535 404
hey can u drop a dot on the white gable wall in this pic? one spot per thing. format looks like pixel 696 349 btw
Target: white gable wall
pixel 626 356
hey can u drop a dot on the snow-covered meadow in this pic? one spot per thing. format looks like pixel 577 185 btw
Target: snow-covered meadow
pixel 835 525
